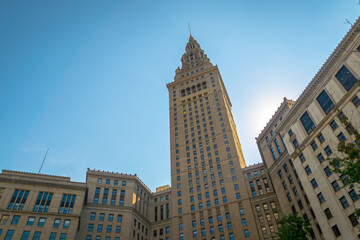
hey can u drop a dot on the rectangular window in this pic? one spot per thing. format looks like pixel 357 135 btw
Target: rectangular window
pixel 295 143
pixel 325 102
pixel 353 195
pixel 30 221
pixel 321 138
pixel 314 145
pixel 321 197
pixel 356 101
pixel 353 220
pixel 336 230
pixel 328 213
pixel 328 150
pixel 341 137
pixel 333 125
pixel 335 186
pixel 308 170
pixel 67 204
pixel 43 202
pixel 314 183
pixel 278 146
pixel 344 202
pixel 302 158
pixel 56 222
pixel 307 122
pixel 320 157
pixel 327 171
pixel 346 78
pixel 18 199
pixel 41 222
pixel 15 220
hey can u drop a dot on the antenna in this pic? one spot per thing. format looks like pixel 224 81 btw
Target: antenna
pixel 43 160
pixel 189 29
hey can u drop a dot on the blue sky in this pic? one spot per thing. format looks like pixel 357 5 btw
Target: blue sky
pixel 88 78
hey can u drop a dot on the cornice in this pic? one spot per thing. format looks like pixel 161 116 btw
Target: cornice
pixel 325 69
pixel 283 106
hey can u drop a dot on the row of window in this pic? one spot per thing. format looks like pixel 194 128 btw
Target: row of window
pixel 26 235
pixel 107 181
pixel 106 195
pixel 42 203
pixel 100 228
pixel 161 231
pixel 31 220
pixel 102 217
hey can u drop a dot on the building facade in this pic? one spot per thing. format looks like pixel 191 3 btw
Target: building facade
pixel 214 195
pixel 303 134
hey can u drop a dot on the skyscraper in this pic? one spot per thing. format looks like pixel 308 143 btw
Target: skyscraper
pixel 209 192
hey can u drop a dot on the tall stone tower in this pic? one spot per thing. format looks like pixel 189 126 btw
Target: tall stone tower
pixel 209 194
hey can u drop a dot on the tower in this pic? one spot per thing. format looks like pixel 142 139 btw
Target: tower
pixel 209 194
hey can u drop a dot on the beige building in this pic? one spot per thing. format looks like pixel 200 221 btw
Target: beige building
pixel 303 134
pixel 39 206
pixel 210 197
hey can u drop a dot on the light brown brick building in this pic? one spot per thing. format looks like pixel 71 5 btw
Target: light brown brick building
pixel 38 206
pixel 303 134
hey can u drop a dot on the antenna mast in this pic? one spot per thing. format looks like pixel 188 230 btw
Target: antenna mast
pixel 43 160
pixel 189 29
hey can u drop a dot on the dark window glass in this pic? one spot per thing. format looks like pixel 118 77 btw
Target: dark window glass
pixel 296 144
pixel 353 220
pixel 333 125
pixel 344 202
pixel 302 158
pixel 314 145
pixel 307 169
pixel 341 137
pixel 353 195
pixel 327 171
pixel 321 138
pixel 321 198
pixel 328 150
pixel 320 157
pixel 346 78
pixel 273 152
pixel 356 101
pixel 336 230
pixel 307 123
pixel 328 213
pixel 335 186
pixel 290 133
pixel 325 102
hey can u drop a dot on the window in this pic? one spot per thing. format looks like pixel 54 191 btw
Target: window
pixel 335 186
pixel 333 125
pixel 328 150
pixel 308 170
pixel 18 200
pixel 353 195
pixel 92 216
pixel 280 174
pixel 15 220
pixel 336 230
pixel 53 236
pixel 267 139
pixel 118 229
pixel 328 213
pixel 356 101
pixel 246 233
pixel 307 122
pixel 291 133
pixel 321 197
pixel 108 228
pixel 321 157
pixel 328 171
pixel 67 204
pixel 101 217
pixel 43 202
pixel 353 220
pixel 100 227
pixel 325 102
pixel 37 236
pixel 344 202
pixel 295 143
pixel 302 158
pixel 314 183
pixel 90 227
pixel 30 221
pixel 277 146
pixel 341 137
pixel 56 223
pixel 66 223
pixel 119 218
pixel 41 222
pixel 243 221
pixel 272 152
pixel 346 78
pixel 314 145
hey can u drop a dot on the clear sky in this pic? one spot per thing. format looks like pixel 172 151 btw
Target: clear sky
pixel 88 78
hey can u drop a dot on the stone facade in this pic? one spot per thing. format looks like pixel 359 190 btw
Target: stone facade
pixel 308 132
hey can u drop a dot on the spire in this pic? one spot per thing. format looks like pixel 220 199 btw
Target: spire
pixel 194 56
